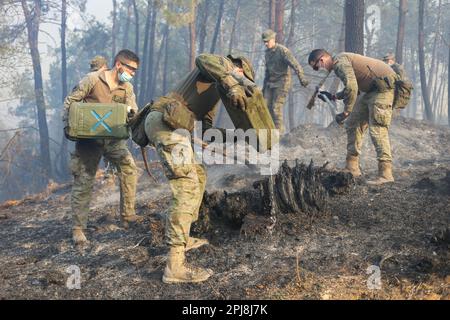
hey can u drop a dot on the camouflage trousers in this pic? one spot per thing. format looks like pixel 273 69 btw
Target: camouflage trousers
pixel 276 98
pixel 373 111
pixel 187 179
pixel 84 163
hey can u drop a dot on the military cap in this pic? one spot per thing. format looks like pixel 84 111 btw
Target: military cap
pixel 268 34
pixel 389 56
pixel 246 65
pixel 97 62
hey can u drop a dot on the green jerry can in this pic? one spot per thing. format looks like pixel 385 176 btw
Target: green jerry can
pixel 98 120
pixel 256 116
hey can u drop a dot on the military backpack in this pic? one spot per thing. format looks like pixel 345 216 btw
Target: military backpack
pixel 403 91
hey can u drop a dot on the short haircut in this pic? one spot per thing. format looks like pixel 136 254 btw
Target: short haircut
pixel 126 54
pixel 316 54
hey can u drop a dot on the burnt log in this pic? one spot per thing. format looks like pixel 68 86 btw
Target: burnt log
pixel 301 189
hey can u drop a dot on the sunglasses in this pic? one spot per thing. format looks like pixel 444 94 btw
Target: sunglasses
pixel 128 66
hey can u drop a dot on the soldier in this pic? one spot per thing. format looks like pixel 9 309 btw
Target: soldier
pixel 398 68
pixel 98 63
pixel 373 109
pixel 103 87
pixel 216 77
pixel 277 79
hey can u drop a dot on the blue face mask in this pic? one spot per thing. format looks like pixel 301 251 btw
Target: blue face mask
pixel 124 77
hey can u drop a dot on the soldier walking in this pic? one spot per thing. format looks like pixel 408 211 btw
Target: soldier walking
pixel 277 79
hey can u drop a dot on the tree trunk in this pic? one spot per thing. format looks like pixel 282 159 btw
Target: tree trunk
pixel 32 23
pixel 279 21
pixel 423 81
pixel 63 151
pixel 291 104
pixel 341 47
pixel 233 29
pixel 127 26
pixel 272 13
pixel 192 38
pixel 143 76
pixel 403 9
pixel 414 107
pixel 114 30
pixel 166 62
pixel 448 86
pixel 217 28
pixel 151 53
pixel 354 26
pixel 202 25
pixel 155 72
pixel 136 38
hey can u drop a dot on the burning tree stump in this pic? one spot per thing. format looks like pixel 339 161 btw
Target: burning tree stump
pixel 300 189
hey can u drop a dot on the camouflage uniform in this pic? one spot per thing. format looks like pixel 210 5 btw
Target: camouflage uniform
pixel 84 161
pixel 200 91
pixel 372 109
pixel 277 80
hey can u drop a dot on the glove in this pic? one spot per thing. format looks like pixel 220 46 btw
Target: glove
pixel 246 83
pixel 304 82
pixel 340 117
pixel 249 90
pixel 324 94
pixel 131 113
pixel 237 96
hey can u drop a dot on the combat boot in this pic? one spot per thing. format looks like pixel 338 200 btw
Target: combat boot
pixel 194 243
pixel 177 271
pixel 78 236
pixel 352 165
pixel 384 174
pixel 129 220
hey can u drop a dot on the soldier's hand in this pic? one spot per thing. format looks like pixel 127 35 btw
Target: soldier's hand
pixel 304 82
pixel 237 96
pixel 249 90
pixel 131 113
pixel 340 117
pixel 324 94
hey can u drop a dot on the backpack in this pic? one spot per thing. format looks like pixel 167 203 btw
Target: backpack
pixel 402 93
pixel 137 126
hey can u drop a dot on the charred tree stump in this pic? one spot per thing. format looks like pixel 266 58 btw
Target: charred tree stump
pixel 302 189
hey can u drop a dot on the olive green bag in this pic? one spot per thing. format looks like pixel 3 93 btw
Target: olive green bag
pixel 97 120
pixel 178 116
pixel 256 116
pixel 403 91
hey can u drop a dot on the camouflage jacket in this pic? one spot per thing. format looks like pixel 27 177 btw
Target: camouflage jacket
pixel 278 61
pixel 94 88
pixel 357 73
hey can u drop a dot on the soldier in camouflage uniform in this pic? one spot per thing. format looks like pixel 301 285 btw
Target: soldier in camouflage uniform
pixel 398 68
pixel 371 110
pixel 103 87
pixel 214 78
pixel 277 79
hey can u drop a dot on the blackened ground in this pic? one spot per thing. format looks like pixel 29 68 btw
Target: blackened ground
pixel 402 228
